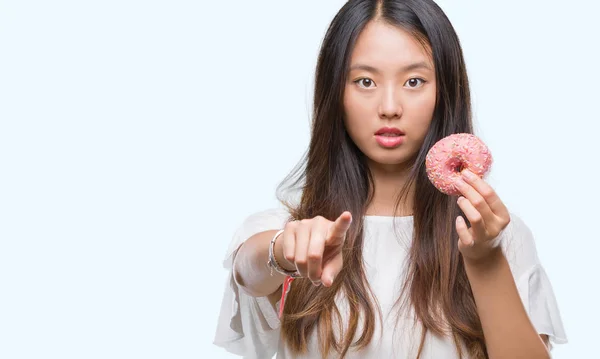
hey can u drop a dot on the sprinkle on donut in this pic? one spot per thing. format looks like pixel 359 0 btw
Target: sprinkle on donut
pixel 450 155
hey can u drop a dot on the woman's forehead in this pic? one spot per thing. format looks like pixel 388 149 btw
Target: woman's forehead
pixel 387 47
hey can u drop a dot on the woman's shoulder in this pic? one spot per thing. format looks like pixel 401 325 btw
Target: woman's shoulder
pixel 278 212
pixel 531 279
pixel 265 219
pixel 519 244
pixel 518 232
pixel 255 222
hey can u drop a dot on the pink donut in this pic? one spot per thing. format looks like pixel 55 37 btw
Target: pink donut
pixel 450 155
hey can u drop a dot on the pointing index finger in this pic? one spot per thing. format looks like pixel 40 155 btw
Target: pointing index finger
pixel 341 225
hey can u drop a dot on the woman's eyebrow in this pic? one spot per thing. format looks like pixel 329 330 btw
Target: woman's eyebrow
pixel 410 67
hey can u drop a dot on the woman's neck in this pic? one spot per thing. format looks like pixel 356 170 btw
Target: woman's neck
pixel 388 183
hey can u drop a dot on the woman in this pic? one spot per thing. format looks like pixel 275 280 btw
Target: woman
pixel 387 266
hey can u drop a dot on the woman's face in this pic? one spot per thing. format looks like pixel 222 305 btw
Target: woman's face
pixel 391 83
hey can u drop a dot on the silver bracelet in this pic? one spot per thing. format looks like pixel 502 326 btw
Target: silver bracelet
pixel 272 262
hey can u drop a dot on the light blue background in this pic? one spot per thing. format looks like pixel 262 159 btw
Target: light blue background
pixel 137 135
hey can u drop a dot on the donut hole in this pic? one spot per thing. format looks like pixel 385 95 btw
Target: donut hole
pixel 456 165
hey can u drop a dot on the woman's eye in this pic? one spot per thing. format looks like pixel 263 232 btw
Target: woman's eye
pixel 366 83
pixel 414 82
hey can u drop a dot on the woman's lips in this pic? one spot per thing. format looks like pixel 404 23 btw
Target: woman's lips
pixel 389 141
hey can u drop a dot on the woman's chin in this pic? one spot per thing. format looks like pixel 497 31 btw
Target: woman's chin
pixel 390 160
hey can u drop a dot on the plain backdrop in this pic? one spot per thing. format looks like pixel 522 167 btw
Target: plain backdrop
pixel 135 136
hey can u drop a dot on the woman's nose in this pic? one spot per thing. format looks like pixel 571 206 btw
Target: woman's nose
pixel 389 106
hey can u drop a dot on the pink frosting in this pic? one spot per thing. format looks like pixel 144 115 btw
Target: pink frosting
pixel 452 154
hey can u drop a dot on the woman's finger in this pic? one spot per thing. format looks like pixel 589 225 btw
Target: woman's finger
pixel 465 237
pixel 476 199
pixel 301 247
pixel 337 231
pixel 316 247
pixel 289 242
pixel 474 217
pixel 487 192
pixel 331 269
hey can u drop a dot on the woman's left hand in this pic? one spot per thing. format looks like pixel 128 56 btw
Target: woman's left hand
pixel 486 213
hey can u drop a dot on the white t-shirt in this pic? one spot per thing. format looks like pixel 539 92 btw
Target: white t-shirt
pixel 249 326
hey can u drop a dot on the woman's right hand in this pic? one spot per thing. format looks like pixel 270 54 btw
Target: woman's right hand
pixel 314 247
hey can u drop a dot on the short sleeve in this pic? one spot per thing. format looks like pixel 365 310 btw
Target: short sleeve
pixel 248 326
pixel 532 281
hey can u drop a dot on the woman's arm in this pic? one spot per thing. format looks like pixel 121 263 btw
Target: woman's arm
pixel 313 247
pixel 506 326
pixel 508 331
pixel 250 268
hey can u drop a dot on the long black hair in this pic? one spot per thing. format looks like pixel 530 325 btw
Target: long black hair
pixel 333 176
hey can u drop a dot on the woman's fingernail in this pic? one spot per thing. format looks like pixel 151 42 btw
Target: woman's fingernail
pixel 468 175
